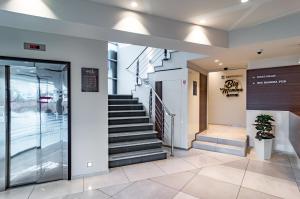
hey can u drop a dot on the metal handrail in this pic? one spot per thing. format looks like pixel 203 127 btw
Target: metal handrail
pixel 172 115
pixel 137 57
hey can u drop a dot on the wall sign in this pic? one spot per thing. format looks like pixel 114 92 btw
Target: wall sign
pixel 195 88
pixel 34 46
pixel 274 89
pixel 89 79
pixel 232 88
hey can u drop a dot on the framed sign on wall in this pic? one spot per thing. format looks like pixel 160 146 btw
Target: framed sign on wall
pixel 89 80
pixel 195 88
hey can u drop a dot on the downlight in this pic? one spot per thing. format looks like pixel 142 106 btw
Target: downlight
pixel 134 4
pixel 244 1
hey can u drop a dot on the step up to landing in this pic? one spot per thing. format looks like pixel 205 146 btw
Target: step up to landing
pixel 236 147
pixel 122 159
pixel 131 135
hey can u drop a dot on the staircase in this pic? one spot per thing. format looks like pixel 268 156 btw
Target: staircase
pixel 236 147
pixel 131 135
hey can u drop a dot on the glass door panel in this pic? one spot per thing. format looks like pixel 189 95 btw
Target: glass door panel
pixel 54 119
pixel 2 129
pixel 25 126
pixel 34 122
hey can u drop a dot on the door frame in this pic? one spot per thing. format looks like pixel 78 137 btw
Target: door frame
pixel 7 121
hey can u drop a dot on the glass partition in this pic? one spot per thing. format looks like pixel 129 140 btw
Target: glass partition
pixel 2 129
pixel 38 118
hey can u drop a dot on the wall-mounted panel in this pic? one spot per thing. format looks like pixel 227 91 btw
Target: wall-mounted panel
pixel 274 89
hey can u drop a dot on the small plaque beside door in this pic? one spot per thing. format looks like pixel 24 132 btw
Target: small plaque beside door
pixel 195 88
pixel 89 79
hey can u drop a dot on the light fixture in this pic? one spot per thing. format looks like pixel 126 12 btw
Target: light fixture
pixel 220 64
pixel 299 61
pixel 89 164
pixel 134 4
pixel 217 61
pixel 244 1
pixel 202 21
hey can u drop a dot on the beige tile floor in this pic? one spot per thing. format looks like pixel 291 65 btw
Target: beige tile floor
pixel 193 174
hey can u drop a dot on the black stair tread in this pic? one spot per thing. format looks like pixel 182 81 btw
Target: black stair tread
pixel 125 134
pixel 125 111
pixel 139 104
pixel 136 154
pixel 133 99
pixel 129 117
pixel 129 125
pixel 134 143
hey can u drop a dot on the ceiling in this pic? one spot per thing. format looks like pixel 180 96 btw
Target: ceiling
pixel 239 57
pixel 221 14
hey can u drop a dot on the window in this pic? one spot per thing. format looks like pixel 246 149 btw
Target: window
pixel 112 68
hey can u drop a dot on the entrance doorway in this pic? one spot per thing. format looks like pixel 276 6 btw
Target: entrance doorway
pixel 34 121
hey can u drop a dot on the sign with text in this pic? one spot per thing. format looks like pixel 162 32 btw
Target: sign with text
pixel 34 46
pixel 89 79
pixel 274 89
pixel 232 86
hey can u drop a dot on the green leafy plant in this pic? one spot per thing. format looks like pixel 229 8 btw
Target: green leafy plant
pixel 263 125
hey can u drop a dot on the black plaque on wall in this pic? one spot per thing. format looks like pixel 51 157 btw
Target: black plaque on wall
pixel 89 79
pixel 195 88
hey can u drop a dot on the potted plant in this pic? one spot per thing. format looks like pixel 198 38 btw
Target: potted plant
pixel 264 136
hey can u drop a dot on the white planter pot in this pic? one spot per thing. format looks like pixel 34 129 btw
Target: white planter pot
pixel 263 148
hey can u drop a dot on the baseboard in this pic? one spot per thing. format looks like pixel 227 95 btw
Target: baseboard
pixel 177 147
pixel 90 174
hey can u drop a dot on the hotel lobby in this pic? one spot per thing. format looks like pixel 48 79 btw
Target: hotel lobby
pixel 143 99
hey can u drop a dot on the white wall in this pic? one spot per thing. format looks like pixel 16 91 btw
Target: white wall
pixel 175 96
pixel 226 110
pixel 285 121
pixel 281 128
pixel 89 110
pixel 126 55
pixel 193 106
pixel 91 20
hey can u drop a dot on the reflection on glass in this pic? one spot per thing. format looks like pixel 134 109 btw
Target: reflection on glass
pixel 39 123
pixel 2 128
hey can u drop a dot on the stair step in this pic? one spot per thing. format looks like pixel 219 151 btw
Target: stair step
pixel 138 106
pixel 137 145
pixel 130 127
pixel 222 148
pixel 225 141
pixel 122 101
pixel 122 159
pixel 120 97
pixel 128 120
pixel 134 143
pixel 126 113
pixel 131 136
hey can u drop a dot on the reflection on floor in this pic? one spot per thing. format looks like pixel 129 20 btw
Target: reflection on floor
pixel 189 175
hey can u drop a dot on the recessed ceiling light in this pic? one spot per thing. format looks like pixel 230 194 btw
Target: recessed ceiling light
pixel 220 64
pixel 244 1
pixel 134 4
pixel 202 21
pixel 216 60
